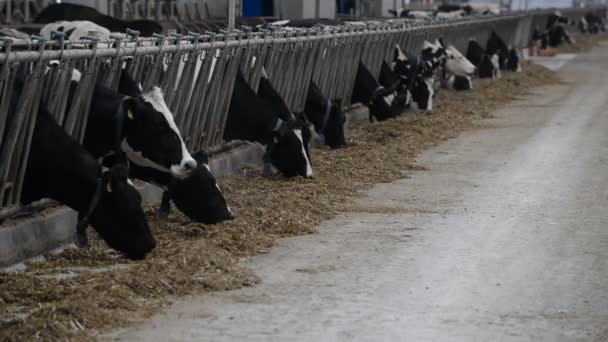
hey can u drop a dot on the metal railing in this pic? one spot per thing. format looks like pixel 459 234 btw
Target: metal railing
pixel 197 73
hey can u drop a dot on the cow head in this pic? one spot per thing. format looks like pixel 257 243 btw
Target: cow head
pixel 288 150
pixel 118 216
pixel 401 64
pixel 433 52
pixel 422 88
pixel 198 196
pixel 457 64
pixel 151 137
pixel 334 128
pixel 383 105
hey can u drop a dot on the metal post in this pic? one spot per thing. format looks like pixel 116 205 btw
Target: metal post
pixel 231 14
pixel 317 9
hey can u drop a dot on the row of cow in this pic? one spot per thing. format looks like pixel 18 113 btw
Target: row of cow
pixel 448 11
pixel 556 33
pixel 131 133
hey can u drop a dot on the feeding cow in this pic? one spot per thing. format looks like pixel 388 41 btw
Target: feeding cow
pixel 555 19
pixel 197 194
pixel 142 126
pixel 417 74
pixel 456 64
pixel 595 23
pixel 555 33
pixel 509 57
pixel 60 169
pixel 487 64
pixel 377 98
pixel 390 79
pixel 433 52
pixel 457 70
pixel 327 116
pixel 285 135
pixel 73 12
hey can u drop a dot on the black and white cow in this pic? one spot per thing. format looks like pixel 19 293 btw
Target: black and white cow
pixel 452 11
pixel 61 169
pixel 595 23
pixel 556 18
pixel 509 57
pixel 390 79
pixel 73 12
pixel 74 30
pixel 197 195
pixel 433 52
pixel 377 98
pixel 410 14
pixel 487 64
pixel 255 119
pixel 497 46
pixel 447 12
pixel 457 70
pixel 303 23
pixel 484 8
pixel 557 35
pixel 327 116
pixel 583 25
pixel 142 126
pixel 417 73
pixel 456 63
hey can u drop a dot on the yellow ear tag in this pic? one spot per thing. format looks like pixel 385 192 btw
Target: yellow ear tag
pixel 276 140
pixel 109 186
pixel 130 114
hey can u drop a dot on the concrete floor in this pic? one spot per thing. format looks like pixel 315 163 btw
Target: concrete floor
pixel 504 239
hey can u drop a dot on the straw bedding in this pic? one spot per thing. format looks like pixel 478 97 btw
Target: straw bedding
pixel 78 293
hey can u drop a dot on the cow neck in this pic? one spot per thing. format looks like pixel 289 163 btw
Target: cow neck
pixel 415 71
pixel 70 176
pixel 120 122
pixel 106 127
pixel 379 90
pixel 326 116
pixel 279 127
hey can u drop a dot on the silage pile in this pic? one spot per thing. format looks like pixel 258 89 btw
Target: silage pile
pixel 92 294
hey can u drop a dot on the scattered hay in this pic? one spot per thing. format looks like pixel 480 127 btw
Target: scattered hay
pixel 193 258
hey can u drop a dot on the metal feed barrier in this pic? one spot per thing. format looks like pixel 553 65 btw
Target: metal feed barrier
pixel 197 73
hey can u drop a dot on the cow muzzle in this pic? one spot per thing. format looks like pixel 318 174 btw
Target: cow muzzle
pixel 184 169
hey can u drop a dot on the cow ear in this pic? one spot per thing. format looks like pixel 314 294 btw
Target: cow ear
pixel 106 182
pixel 201 157
pixel 129 106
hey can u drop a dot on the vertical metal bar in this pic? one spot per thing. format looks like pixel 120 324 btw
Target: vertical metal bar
pixel 231 14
